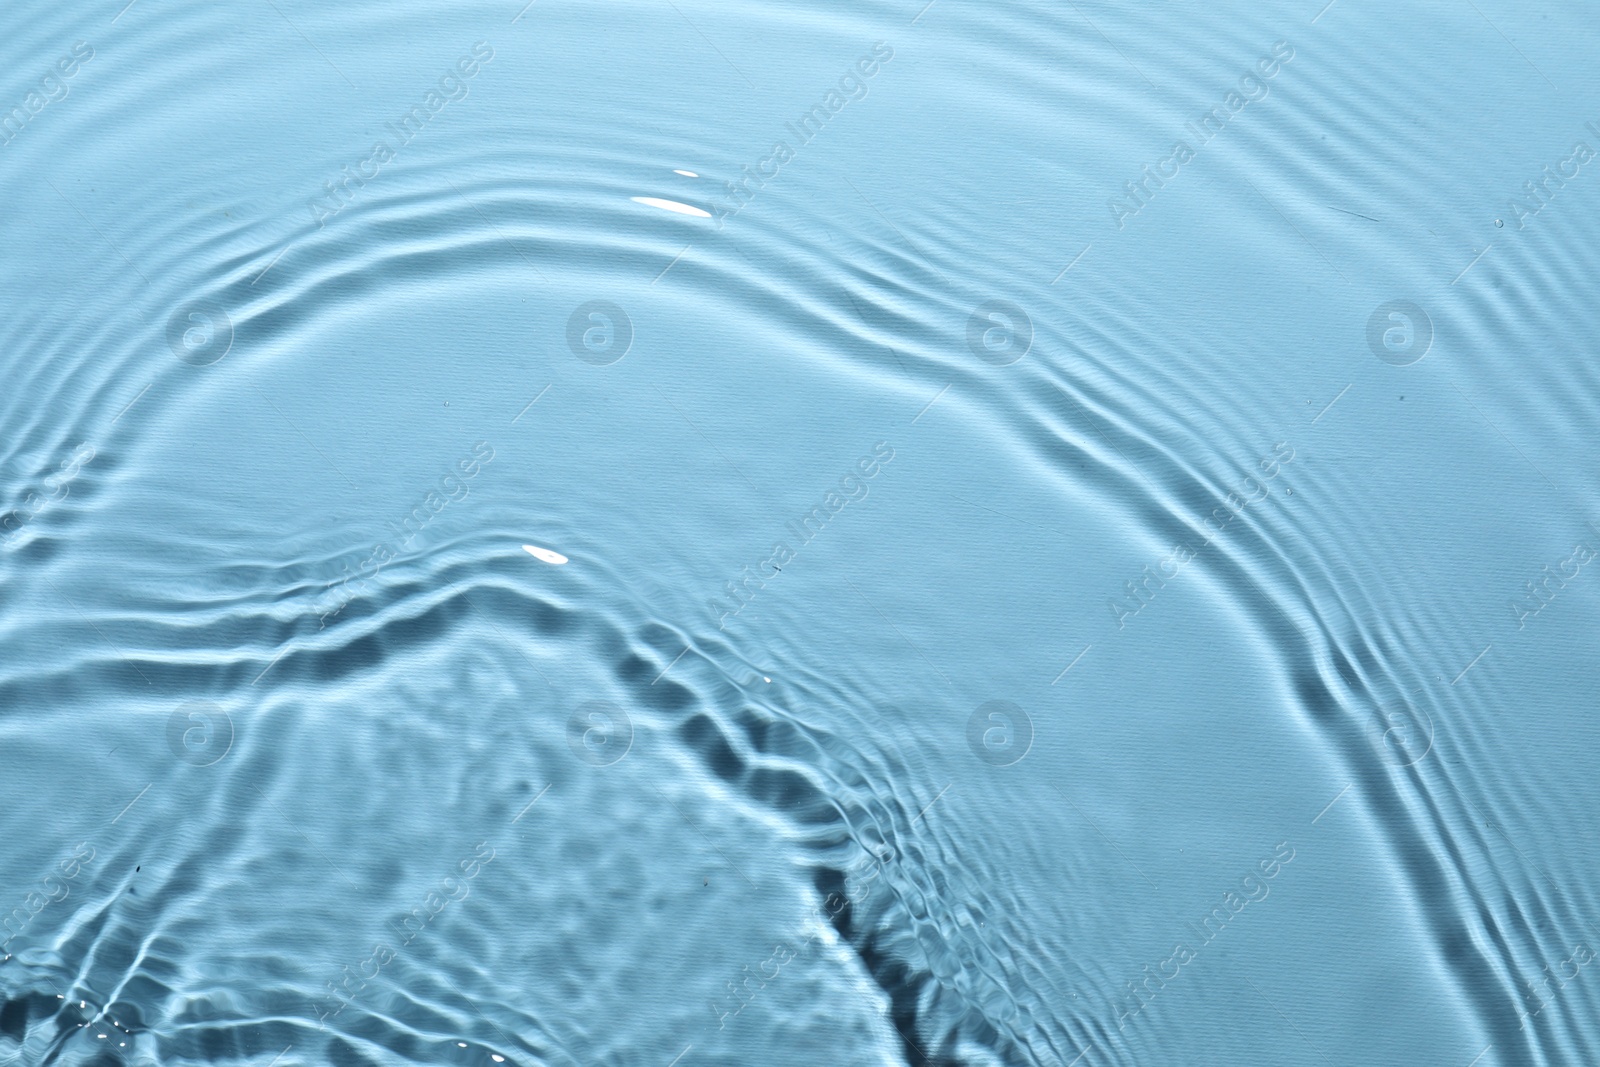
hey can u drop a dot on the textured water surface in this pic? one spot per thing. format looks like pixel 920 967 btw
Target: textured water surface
pixel 683 533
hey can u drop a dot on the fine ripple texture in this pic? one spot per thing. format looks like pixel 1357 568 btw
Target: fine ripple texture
pixel 1065 533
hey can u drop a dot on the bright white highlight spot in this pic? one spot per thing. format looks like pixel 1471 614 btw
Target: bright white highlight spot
pixel 686 173
pixel 544 553
pixel 671 205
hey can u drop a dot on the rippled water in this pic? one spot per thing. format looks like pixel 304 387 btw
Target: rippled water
pixel 690 534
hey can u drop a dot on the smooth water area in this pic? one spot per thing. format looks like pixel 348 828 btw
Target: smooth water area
pixel 685 533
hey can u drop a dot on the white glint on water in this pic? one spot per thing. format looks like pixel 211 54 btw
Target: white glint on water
pixel 671 205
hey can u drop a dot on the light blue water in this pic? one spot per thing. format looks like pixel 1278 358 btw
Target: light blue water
pixel 1055 534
